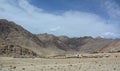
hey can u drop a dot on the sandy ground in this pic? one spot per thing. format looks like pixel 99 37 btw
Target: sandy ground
pixel 111 63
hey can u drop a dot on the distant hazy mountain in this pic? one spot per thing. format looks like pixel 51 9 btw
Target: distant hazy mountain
pixel 83 44
pixel 15 41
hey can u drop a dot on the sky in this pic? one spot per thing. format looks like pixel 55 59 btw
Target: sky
pixel 73 18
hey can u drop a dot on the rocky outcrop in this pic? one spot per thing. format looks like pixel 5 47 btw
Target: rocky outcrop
pixel 16 51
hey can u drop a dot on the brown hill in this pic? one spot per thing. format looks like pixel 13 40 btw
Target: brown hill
pixel 83 44
pixel 14 37
pixel 15 41
pixel 53 41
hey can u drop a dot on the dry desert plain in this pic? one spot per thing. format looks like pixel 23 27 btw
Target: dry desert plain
pixel 88 62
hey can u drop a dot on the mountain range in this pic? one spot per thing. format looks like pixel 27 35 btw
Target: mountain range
pixel 15 41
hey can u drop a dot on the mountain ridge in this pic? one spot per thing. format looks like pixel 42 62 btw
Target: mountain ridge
pixel 16 41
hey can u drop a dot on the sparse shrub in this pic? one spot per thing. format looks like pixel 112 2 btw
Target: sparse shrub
pixel 70 65
pixel 58 68
pixel 111 52
pixel 14 67
pixel 51 68
pixel 11 67
pixel 1 66
pixel 79 67
pixel 56 63
pixel 118 51
pixel 114 51
pixel 95 52
pixel 114 68
pixel 23 68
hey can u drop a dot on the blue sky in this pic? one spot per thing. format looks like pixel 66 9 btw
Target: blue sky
pixel 74 18
pixel 60 6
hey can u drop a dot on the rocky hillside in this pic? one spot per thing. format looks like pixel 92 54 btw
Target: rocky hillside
pixel 85 44
pixel 18 37
pixel 15 41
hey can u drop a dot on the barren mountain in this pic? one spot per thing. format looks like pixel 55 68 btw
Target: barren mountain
pixel 53 41
pixel 15 41
pixel 85 44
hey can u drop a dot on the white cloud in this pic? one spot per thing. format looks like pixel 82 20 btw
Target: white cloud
pixel 24 4
pixel 71 23
pixel 110 35
pixel 55 29
pixel 113 8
